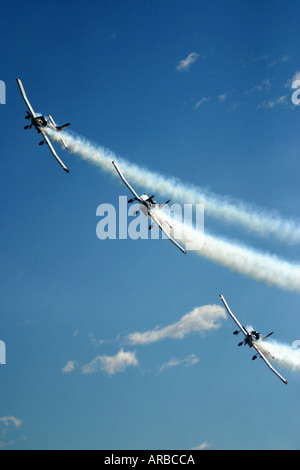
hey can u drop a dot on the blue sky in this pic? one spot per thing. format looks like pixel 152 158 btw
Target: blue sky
pixel 225 123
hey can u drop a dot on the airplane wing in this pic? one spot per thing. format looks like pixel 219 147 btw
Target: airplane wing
pixel 268 364
pixel 25 98
pixel 47 140
pixel 233 317
pixel 137 197
pixel 155 220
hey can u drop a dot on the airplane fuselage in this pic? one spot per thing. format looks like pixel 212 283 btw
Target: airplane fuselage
pixel 252 337
pixel 40 123
pixel 148 205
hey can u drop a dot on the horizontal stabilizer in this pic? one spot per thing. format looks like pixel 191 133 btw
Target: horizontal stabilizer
pixel 61 128
pixel 165 203
pixel 268 336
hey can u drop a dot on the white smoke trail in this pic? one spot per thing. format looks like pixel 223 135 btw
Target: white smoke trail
pixel 247 261
pixel 256 221
pixel 283 354
pixel 252 263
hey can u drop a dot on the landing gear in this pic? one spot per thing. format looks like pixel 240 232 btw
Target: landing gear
pixel 42 142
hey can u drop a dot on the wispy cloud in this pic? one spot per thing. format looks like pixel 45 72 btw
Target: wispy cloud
pixel 10 420
pixel 265 85
pixel 281 100
pixel 223 97
pixel 174 362
pixel 186 63
pixel 201 319
pixel 263 58
pixel 289 83
pixel 69 367
pixel 204 100
pixel 282 60
pixel 250 60
pixel 111 364
pixel 5 424
pixel 203 446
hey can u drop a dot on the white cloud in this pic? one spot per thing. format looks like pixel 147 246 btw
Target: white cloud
pixel 290 82
pixel 10 419
pixel 250 60
pixel 111 364
pixel 203 446
pixel 223 97
pixel 281 100
pixel 186 63
pixel 279 61
pixel 199 320
pixel 69 367
pixel 5 423
pixel 174 362
pixel 204 100
pixel 296 76
pixel 265 85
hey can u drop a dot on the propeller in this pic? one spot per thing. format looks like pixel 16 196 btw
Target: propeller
pixel 131 200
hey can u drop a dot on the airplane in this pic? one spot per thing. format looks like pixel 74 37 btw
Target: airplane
pixel 251 339
pixel 41 124
pixel 147 207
